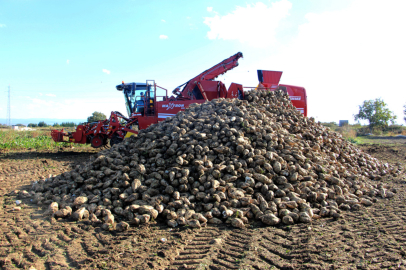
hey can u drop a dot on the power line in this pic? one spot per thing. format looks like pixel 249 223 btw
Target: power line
pixel 9 107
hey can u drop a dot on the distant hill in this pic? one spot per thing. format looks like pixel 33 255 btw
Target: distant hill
pixel 49 121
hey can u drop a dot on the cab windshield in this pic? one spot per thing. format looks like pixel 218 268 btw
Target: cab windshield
pixel 134 97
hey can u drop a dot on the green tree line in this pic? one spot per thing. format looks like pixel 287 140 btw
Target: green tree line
pixel 43 124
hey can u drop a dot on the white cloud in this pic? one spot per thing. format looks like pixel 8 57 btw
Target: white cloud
pixel 50 95
pixel 163 21
pixel 341 57
pixel 249 24
pixel 40 103
pixel 345 57
pixel 163 37
pixel 67 61
pixel 209 9
pixel 2 25
pixel 106 71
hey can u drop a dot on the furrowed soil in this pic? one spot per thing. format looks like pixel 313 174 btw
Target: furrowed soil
pixel 372 238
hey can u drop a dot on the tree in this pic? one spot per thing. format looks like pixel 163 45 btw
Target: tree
pixel 68 124
pixel 42 124
pixel 96 116
pixel 376 112
pixel 32 125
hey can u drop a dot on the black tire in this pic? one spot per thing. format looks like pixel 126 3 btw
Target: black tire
pixel 115 140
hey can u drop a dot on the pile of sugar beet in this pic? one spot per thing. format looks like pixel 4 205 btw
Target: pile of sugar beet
pixel 224 161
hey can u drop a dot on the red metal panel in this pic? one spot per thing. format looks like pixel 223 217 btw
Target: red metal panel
pixel 270 77
pixel 78 135
pixel 298 97
pixel 210 88
pixel 222 90
pixel 144 122
pixel 57 135
pixel 171 108
pixel 233 90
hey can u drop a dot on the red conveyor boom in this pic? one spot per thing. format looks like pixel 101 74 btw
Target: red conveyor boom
pixel 211 73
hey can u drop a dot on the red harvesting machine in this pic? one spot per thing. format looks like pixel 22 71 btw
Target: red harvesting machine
pixel 97 133
pixel 145 107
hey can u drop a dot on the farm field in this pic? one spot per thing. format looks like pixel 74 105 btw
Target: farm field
pixel 372 238
pixel 36 139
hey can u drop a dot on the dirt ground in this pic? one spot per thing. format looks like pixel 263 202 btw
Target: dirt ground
pixel 372 238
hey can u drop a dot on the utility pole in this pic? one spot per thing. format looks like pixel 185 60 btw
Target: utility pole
pixel 9 108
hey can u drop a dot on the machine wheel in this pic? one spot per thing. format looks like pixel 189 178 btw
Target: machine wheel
pixel 115 139
pixel 97 141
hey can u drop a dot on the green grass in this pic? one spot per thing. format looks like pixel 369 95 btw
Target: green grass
pixel 360 140
pixel 363 140
pixel 37 139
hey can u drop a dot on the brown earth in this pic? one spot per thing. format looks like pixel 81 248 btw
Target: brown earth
pixel 372 238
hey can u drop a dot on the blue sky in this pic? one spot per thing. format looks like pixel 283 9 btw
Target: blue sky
pixel 64 58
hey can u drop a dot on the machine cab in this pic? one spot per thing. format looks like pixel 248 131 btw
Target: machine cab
pixel 139 98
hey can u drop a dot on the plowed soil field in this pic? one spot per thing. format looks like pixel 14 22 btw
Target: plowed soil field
pixel 372 238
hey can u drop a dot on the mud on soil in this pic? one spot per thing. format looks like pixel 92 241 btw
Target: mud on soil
pixel 372 238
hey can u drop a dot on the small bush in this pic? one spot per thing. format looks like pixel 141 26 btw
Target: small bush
pixel 395 129
pixel 363 130
pixel 377 131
